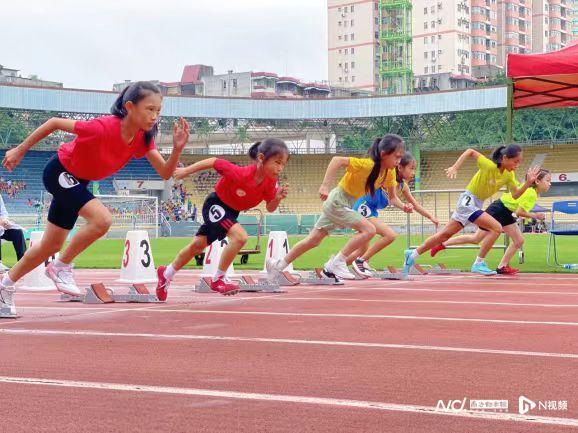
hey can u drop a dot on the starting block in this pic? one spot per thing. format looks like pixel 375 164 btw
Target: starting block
pixel 391 273
pixel 317 278
pixel 99 294
pixel 246 284
pixel 441 269
pixel 288 278
pixel 8 311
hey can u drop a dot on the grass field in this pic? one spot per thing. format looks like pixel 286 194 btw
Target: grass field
pixel 107 253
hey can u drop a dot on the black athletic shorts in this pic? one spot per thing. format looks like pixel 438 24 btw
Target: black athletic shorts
pixel 501 213
pixel 69 194
pixel 218 219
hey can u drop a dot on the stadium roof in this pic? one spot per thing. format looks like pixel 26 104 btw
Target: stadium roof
pixel 545 80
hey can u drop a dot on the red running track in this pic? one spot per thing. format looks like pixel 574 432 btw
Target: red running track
pixel 370 356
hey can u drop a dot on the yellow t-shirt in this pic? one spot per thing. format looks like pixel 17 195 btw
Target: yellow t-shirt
pixel 353 182
pixel 526 201
pixel 489 179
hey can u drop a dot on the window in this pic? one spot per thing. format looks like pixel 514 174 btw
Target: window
pixel 433 24
pixel 425 55
pixel 439 37
pixel 346 66
pixel 439 52
pixel 340 79
pixel 339 23
pixel 345 9
pixel 351 8
pixel 425 11
pixel 346 79
pixel 338 9
pixel 439 68
pixel 425 25
pixel 353 78
pixel 340 51
pixel 339 37
pixel 433 39
pixel 234 83
pixel 344 23
pixel 345 38
pixel 433 9
pixel 352 23
pixel 352 65
pixel 425 40
pixel 376 21
pixel 425 70
pixel 439 20
pixel 439 6
pixel 346 51
pixel 352 36
pixel 340 65
pixel 352 50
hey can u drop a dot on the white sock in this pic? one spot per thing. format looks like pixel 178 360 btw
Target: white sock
pixel 340 257
pixel 7 282
pixel 60 264
pixel 414 254
pixel 479 260
pixel 281 265
pixel 170 272
pixel 219 274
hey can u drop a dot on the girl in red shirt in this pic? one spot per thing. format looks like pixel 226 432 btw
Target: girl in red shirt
pixel 102 147
pixel 239 189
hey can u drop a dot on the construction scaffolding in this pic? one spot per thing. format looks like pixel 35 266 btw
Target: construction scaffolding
pixel 395 37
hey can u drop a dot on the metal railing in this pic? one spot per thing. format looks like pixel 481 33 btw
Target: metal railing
pixel 441 201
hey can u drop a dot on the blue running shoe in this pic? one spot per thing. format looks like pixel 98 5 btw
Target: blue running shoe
pixel 408 261
pixel 482 269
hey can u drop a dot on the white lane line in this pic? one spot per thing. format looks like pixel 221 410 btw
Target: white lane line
pixel 406 289
pixel 395 301
pixel 370 316
pixel 48 332
pixel 324 315
pixel 296 399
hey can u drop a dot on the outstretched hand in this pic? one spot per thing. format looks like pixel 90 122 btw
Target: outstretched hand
pixel 13 158
pixel 282 192
pixel 452 172
pixel 180 134
pixel 533 174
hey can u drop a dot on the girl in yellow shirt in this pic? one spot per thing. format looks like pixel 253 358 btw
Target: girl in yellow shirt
pixel 505 210
pixel 491 176
pixel 362 176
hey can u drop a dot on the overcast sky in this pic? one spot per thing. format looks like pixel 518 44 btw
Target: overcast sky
pixel 93 44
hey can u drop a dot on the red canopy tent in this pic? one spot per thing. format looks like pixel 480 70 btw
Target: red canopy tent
pixel 548 80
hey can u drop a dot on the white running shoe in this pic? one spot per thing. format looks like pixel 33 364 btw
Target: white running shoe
pixel 273 271
pixel 339 269
pixel 63 279
pixel 358 267
pixel 367 266
pixel 7 295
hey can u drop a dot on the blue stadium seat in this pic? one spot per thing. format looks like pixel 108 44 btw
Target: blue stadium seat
pixel 30 171
pixel 561 227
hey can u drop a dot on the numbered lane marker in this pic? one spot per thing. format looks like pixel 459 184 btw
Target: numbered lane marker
pixel 137 264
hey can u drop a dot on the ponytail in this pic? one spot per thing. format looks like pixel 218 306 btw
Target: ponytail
pixel 254 151
pixel 512 151
pixel 134 93
pixel 269 147
pixel 388 144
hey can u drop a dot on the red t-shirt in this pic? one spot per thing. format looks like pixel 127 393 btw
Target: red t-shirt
pixel 237 187
pixel 99 150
